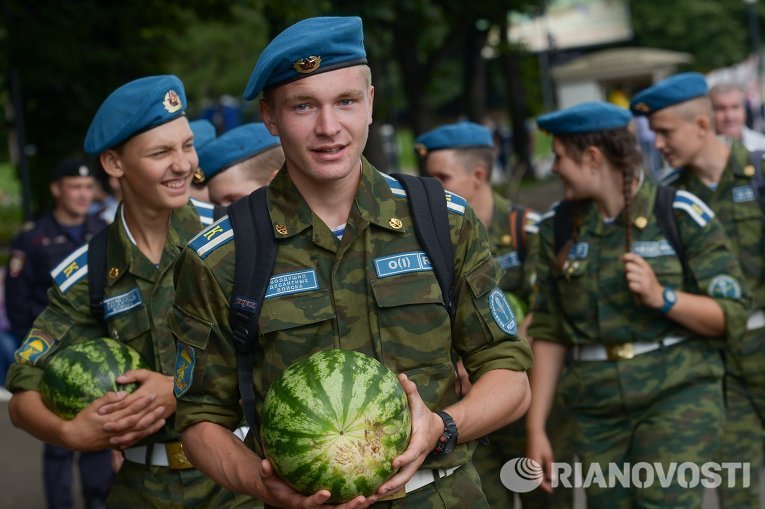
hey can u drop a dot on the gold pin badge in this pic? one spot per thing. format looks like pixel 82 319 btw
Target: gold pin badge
pixel 395 223
pixel 749 170
pixel 642 107
pixel 199 176
pixel 114 272
pixel 421 150
pixel 172 102
pixel 281 229
pixel 507 239
pixel 641 222
pixel 307 65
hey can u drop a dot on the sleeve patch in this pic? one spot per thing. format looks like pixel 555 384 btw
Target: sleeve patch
pixel 211 238
pixel 72 269
pixel 724 287
pixel 185 361
pixel 35 346
pixel 502 312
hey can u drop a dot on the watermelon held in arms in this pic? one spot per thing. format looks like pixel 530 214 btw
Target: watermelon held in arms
pixel 335 421
pixel 82 372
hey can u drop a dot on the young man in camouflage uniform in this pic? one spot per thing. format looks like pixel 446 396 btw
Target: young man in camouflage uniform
pixel 142 137
pixel 335 218
pixel 461 156
pixel 721 174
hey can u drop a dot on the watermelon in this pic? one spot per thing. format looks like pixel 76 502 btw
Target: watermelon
pixel 517 305
pixel 82 372
pixel 335 421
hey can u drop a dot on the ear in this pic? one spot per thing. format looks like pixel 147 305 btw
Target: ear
pixel 55 189
pixel 593 156
pixel 704 123
pixel 371 103
pixel 267 114
pixel 480 174
pixel 112 163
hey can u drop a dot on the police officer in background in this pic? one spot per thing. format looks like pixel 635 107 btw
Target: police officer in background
pixel 35 252
pixel 724 176
pixel 239 162
pixel 335 218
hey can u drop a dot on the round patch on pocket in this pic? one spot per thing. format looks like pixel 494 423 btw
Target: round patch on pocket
pixel 502 313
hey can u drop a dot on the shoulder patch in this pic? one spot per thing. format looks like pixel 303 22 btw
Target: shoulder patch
pixel 35 346
pixel 211 238
pixel 72 269
pixel 455 203
pixel 694 206
pixel 205 211
pixel 185 361
pixel 670 177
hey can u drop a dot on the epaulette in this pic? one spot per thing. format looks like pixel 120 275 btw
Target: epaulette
pixel 72 269
pixel 205 211
pixel 532 222
pixel 212 237
pixel 694 206
pixel 454 202
pixel 671 177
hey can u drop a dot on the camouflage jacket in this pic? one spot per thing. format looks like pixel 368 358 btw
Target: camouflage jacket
pixel 735 205
pixel 519 275
pixel 373 291
pixel 137 297
pixel 589 301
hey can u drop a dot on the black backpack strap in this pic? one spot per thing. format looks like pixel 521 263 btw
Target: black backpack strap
pixel 758 179
pixel 518 216
pixel 665 217
pixel 219 211
pixel 255 256
pixel 97 271
pixel 431 224
pixel 563 222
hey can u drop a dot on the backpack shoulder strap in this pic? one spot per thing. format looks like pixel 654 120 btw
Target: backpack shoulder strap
pixel 758 179
pixel 431 224
pixel 562 223
pixel 517 217
pixel 97 271
pixel 255 256
pixel 665 217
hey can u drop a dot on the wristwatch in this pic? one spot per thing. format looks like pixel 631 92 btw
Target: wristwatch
pixel 448 438
pixel 670 297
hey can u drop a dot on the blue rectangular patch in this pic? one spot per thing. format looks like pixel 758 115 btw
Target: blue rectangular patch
pixel 292 282
pixel 652 249
pixel 509 260
pixel 121 303
pixel 743 193
pixel 387 266
pixel 579 251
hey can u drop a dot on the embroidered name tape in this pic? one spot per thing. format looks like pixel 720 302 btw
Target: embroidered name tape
pixel 119 304
pixel 579 251
pixel 652 249
pixel 292 282
pixel 742 194
pixel 416 261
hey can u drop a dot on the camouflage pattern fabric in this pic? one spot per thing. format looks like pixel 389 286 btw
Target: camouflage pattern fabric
pixel 137 298
pixel 163 488
pixel 735 204
pixel 370 292
pixel 646 419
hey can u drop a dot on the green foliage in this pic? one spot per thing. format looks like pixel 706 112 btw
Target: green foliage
pixel 10 209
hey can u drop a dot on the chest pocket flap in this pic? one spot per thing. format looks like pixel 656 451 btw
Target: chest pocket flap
pixel 295 310
pixel 406 289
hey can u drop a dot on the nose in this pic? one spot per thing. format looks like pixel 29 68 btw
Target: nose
pixel 327 123
pixel 658 142
pixel 184 161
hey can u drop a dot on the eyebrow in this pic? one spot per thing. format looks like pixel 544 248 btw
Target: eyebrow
pixel 348 93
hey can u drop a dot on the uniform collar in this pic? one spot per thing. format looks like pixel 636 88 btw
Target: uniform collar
pixel 291 214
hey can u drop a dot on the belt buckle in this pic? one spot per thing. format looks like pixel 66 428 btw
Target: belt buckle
pixel 394 496
pixel 620 352
pixel 176 458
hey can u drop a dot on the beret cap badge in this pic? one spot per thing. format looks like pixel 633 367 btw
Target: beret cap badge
pixel 307 65
pixel 172 102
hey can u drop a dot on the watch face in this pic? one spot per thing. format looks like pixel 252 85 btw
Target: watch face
pixel 669 295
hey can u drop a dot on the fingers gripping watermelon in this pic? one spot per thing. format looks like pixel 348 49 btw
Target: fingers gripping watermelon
pixel 85 371
pixel 335 421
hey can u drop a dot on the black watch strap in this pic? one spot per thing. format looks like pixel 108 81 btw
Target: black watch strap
pixel 448 438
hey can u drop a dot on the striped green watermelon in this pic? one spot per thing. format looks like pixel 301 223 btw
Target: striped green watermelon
pixel 335 421
pixel 82 372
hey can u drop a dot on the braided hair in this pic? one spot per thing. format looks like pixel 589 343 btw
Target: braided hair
pixel 621 150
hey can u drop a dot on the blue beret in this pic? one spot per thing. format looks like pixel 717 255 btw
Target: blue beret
pixel 235 146
pixel 308 47
pixel 460 135
pixel 135 107
pixel 673 90
pixel 72 167
pixel 585 118
pixel 204 132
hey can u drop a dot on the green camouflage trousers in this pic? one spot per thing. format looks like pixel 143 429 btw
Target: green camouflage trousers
pixel 660 407
pixel 510 442
pixel 745 407
pixel 137 486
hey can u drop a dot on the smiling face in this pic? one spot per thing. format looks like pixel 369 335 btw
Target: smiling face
pixel 73 195
pixel 155 167
pixel 575 172
pixel 681 132
pixel 729 112
pixel 323 123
